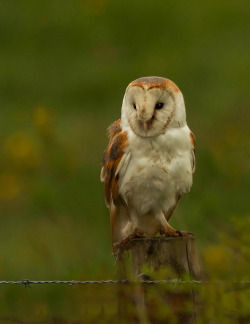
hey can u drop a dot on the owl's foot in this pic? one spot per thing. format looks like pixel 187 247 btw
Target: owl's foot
pixel 120 247
pixel 170 232
pixel 135 234
pixel 138 234
pixel 185 234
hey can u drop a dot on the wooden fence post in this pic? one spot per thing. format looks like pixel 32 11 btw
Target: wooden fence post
pixel 178 254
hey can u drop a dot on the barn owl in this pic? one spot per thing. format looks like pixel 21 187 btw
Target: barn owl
pixel 149 162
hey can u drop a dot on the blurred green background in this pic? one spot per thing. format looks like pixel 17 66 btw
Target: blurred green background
pixel 64 67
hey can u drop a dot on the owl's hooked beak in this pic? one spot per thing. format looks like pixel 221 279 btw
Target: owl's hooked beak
pixel 147 123
pixel 145 117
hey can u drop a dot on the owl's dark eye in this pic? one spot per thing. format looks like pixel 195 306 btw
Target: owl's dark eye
pixel 159 105
pixel 134 105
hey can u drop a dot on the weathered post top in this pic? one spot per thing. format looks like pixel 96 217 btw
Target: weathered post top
pixel 177 253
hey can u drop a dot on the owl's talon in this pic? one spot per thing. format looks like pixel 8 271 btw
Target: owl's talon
pixel 170 232
pixel 138 234
pixel 184 234
pixel 119 247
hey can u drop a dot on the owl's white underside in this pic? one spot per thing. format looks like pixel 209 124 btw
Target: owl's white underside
pixel 158 170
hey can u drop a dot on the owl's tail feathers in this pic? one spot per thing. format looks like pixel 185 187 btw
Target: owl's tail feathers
pixel 119 220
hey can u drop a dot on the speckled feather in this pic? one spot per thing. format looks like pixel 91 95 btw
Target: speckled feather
pixel 111 159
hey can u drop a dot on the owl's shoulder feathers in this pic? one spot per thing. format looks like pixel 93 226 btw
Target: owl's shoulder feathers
pixel 114 129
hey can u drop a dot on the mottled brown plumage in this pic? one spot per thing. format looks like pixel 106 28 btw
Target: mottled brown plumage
pixel 111 158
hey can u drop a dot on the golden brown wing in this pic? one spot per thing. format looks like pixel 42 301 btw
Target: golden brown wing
pixel 113 130
pixel 114 158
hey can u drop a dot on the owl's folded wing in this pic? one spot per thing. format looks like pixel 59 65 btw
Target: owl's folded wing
pixel 192 138
pixel 115 157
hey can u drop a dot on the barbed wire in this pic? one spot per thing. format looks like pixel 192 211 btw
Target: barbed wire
pixel 27 283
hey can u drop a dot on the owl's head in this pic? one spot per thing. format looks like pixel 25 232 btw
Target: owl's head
pixel 151 105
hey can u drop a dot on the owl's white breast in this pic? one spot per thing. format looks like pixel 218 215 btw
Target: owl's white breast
pixel 158 169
